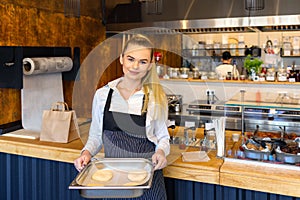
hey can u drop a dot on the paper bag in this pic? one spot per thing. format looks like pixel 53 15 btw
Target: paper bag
pixel 59 124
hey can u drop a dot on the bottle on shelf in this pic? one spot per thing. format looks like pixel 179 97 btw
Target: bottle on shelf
pixel 234 73
pixel 241 48
pixel 201 48
pixel 195 50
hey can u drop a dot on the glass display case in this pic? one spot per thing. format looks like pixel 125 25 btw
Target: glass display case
pixel 271 131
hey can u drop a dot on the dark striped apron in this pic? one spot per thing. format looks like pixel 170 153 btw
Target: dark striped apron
pixel 124 136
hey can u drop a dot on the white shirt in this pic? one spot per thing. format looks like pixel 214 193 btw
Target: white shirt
pixel 223 69
pixel 156 131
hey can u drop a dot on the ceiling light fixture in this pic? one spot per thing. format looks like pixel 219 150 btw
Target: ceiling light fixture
pixel 254 5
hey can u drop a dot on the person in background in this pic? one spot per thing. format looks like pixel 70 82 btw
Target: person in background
pixel 129 116
pixel 226 66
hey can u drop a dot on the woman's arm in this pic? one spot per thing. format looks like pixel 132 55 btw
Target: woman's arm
pixel 94 142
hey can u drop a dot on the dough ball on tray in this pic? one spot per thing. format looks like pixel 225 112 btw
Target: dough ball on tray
pixel 102 175
pixel 137 176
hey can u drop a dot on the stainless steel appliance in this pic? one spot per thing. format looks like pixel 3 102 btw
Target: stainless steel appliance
pixel 217 108
pixel 266 117
pixel 174 103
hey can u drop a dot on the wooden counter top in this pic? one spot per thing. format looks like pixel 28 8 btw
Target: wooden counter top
pixel 207 172
pixel 37 149
pixel 265 177
pixel 272 178
pixel 45 150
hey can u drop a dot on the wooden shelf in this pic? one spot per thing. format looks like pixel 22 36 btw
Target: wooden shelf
pixel 232 81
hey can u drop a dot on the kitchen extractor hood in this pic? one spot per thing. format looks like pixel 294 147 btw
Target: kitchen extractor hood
pixel 239 24
pixel 206 16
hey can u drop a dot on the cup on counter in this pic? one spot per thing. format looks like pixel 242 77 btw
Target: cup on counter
pixel 235 137
pixel 182 144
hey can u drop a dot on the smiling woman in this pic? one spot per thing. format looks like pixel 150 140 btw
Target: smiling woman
pixel 129 115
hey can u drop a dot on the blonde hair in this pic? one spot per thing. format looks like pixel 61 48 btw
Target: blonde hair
pixel 151 83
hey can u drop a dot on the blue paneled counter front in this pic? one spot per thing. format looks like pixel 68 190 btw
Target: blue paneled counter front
pixel 35 170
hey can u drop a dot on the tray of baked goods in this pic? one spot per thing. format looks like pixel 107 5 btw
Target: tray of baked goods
pixel 114 178
pixel 281 147
pixel 257 149
pixel 289 153
pixel 275 135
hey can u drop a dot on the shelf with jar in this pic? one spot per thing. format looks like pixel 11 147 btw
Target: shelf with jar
pixel 290 46
pixel 289 53
pixel 204 53
pixel 199 80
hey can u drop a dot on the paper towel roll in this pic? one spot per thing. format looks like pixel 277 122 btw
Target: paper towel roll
pixel 44 65
pixel 42 86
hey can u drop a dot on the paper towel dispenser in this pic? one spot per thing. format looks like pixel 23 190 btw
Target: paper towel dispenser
pixel 11 65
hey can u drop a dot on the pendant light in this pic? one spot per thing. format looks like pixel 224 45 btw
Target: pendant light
pixel 254 5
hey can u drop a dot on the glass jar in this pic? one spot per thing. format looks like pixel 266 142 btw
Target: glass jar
pixel 270 76
pixel 287 47
pixel 184 72
pixel 242 77
pixel 212 75
pixel 281 75
pixel 209 49
pixel 195 73
pixel 173 72
pixel 210 139
pixel 203 75
pixel 262 77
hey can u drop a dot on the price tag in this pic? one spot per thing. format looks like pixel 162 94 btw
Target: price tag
pixel 203 77
pixel 189 124
pixel 292 80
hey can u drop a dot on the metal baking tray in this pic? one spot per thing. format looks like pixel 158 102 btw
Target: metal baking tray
pixel 288 158
pixel 119 186
pixel 256 155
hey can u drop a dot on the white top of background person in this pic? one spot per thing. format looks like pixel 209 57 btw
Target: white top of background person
pixel 226 66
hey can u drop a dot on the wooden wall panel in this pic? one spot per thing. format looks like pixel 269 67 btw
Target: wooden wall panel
pixel 114 69
pixel 10 105
pixel 42 23
pixel 170 47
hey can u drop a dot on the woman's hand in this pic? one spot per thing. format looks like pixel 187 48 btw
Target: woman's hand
pixel 159 159
pixel 83 160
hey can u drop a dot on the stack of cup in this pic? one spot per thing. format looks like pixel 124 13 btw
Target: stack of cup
pixel 219 125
